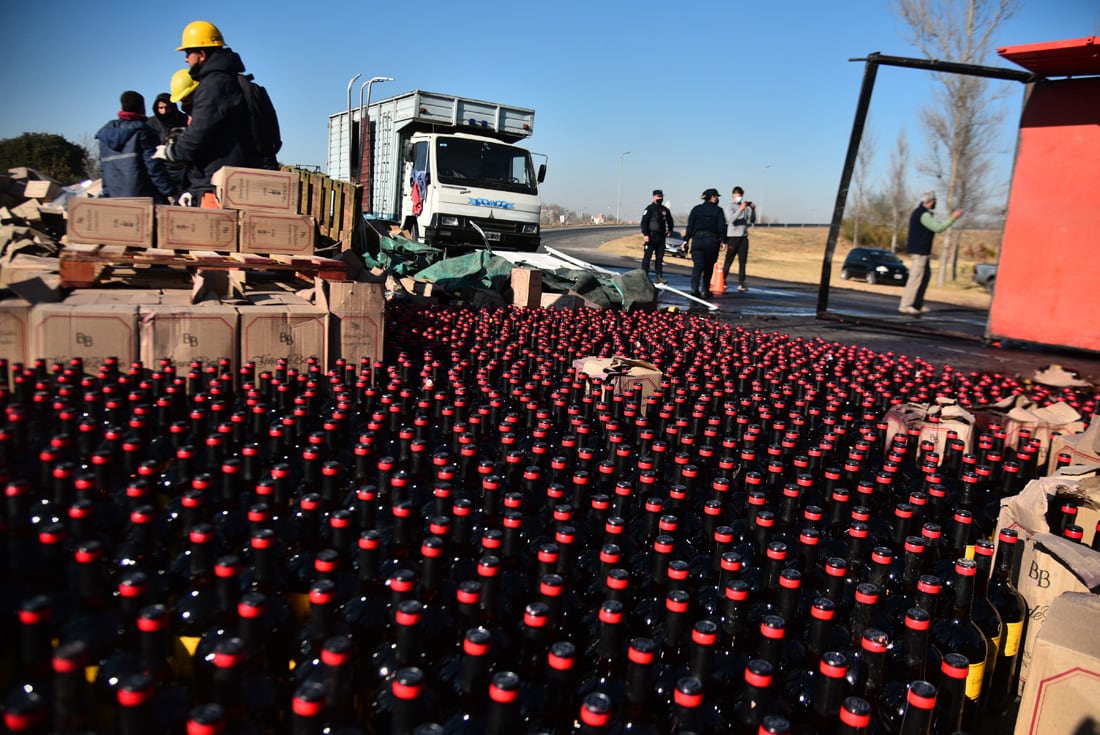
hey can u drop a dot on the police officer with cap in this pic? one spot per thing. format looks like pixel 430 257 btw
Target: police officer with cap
pixel 705 228
pixel 656 226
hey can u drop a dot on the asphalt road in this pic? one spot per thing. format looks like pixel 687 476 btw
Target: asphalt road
pixel 950 334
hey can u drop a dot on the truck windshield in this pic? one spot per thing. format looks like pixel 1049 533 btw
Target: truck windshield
pixel 469 162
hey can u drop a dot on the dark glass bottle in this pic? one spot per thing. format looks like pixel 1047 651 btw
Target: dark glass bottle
pixel 755 699
pixel 920 708
pixel 73 712
pixel 957 633
pixel 951 695
pixel 135 697
pixel 1012 608
pixel 983 612
pixel 855 717
pixel 405 703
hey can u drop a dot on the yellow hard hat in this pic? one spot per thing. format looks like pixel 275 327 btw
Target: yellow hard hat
pixel 182 85
pixel 201 34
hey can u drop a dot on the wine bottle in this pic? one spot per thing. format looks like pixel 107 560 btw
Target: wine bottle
pixel 921 705
pixel 855 717
pixel 755 699
pixel 983 612
pixel 1012 608
pixel 951 697
pixel 957 633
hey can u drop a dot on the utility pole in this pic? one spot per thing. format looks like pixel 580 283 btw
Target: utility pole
pixel 619 205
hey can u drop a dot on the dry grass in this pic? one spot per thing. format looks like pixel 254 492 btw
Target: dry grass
pixel 795 254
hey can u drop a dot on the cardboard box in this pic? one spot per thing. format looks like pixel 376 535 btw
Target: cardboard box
pixel 1061 693
pixel 91 331
pixel 1083 448
pixel 193 228
pixel 205 332
pixel 282 325
pixel 1019 412
pixel 111 221
pixel 275 232
pixel 44 191
pixel 256 189
pixel 94 296
pixel 357 319
pixel 15 316
pixel 548 300
pixel 526 287
pixel 1050 565
pixel 621 373
pixel 935 421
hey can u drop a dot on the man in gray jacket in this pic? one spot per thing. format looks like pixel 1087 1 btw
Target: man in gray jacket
pixel 741 215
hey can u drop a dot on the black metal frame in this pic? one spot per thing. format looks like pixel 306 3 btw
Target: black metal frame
pixel 873 61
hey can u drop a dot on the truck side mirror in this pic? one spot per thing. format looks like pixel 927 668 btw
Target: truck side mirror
pixel 410 152
pixel 542 173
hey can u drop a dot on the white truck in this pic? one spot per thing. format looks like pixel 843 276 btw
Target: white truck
pixel 443 168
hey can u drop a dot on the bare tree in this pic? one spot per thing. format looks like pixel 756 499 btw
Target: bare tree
pixel 897 189
pixel 860 175
pixel 960 125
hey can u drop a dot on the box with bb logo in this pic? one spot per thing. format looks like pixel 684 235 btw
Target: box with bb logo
pixel 1051 565
pixel 276 325
pixel 205 331
pixel 93 331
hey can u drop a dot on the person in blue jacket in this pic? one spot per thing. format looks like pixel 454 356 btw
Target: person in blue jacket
pixel 126 149
pixel 220 132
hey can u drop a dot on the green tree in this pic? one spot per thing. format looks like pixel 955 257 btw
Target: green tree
pixel 48 154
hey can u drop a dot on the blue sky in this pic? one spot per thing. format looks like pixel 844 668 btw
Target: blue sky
pixel 760 95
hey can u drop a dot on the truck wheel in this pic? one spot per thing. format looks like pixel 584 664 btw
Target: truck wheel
pixel 872 277
pixel 844 274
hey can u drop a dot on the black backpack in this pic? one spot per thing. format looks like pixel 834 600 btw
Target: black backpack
pixel 264 120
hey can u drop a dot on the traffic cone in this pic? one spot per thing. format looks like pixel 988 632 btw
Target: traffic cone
pixel 717 280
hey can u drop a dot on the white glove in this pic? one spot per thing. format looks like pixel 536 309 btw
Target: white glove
pixel 185 199
pixel 162 152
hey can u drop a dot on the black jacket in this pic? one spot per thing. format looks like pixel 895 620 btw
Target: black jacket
pixel 169 121
pixel 652 220
pixel 920 237
pixel 706 218
pixel 220 133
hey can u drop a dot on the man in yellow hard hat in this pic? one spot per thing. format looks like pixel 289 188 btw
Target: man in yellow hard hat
pixel 219 133
pixel 182 86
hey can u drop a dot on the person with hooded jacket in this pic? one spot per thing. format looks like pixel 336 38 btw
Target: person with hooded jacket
pixel 169 122
pixel 126 155
pixel 166 116
pixel 220 133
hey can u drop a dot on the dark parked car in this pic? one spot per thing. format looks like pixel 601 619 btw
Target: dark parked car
pixel 874 265
pixel 985 275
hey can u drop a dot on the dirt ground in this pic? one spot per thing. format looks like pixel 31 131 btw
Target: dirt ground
pixel 795 254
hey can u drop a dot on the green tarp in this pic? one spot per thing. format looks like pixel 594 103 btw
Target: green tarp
pixel 483 269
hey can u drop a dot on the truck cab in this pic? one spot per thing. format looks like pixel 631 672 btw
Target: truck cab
pixel 446 169
pixel 467 189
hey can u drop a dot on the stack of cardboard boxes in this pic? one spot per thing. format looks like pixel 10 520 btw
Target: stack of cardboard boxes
pixel 258 216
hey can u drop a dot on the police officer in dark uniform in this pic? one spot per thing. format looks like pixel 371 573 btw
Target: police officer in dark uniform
pixel 705 228
pixel 656 226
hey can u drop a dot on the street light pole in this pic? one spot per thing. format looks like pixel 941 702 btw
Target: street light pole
pixel 619 204
pixel 763 174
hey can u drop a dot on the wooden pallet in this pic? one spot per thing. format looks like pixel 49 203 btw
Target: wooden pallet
pixel 335 205
pixel 82 266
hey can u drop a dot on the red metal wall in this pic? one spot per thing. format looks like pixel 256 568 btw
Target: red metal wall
pixel 1048 277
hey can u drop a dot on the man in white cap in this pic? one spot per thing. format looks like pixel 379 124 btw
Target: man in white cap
pixel 922 228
